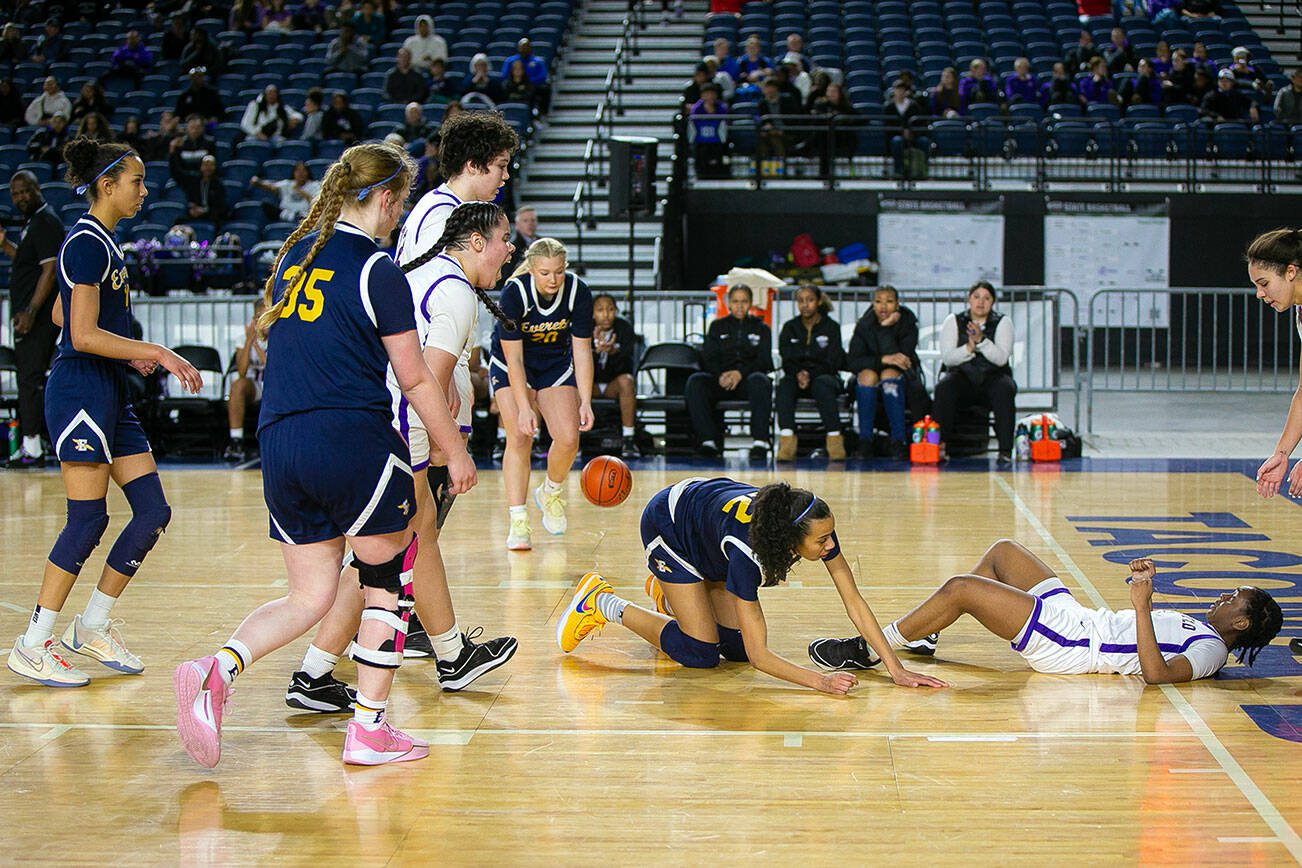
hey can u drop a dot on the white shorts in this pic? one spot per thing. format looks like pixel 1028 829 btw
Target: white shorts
pixel 1056 638
pixel 418 437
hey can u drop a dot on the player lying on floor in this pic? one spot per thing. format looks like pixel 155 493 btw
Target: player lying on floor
pixel 1017 597
pixel 710 545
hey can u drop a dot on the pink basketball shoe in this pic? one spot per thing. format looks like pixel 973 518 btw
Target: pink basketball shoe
pixel 363 747
pixel 200 697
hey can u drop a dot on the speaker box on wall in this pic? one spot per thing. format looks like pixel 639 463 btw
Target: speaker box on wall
pixel 632 176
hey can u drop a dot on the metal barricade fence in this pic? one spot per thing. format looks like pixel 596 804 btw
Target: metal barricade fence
pixel 1187 339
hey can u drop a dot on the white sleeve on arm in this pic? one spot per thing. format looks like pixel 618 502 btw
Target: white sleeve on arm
pixel 1000 349
pixel 952 352
pixel 1205 658
pixel 451 320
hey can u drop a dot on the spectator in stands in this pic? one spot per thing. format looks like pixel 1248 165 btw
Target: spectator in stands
pixel 1288 102
pixel 12 48
pixel 518 87
pixel 976 347
pixel 310 15
pixel 1020 85
pixel 346 53
pixel 945 102
pixel 899 114
pixel 51 101
pixel 132 59
pixel 1145 88
pixel 834 108
pixel 296 194
pixel 753 67
pixel 1202 61
pixel 785 85
pixel 978 86
pixel 775 121
pixel 1078 59
pixel 796 77
pixel 736 359
pixel 404 83
pixel 46 144
pixel 200 53
pixel 246 388
pixel 796 46
pixel 187 151
pixel 246 16
pixel 1244 71
pixel 723 57
pixel 1179 80
pixel 727 87
pixel 200 98
pixel 441 88
pixel 1201 9
pixel 1227 102
pixel 613 341
pixel 453 109
pixel 427 170
pixel 96 127
pixel 812 358
pixel 481 81
pixel 700 77
pixel 342 121
pixel 369 24
pixel 205 197
pixel 1097 88
pixel 1162 60
pixel 883 357
pixel 709 146
pixel 268 119
pixel 277 17
pixel 1203 84
pixel 414 127
pixel 90 99
pixel 536 71
pixel 133 136
pixel 425 45
pixel 11 104
pixel 1118 53
pixel 313 115
pixel 818 83
pixel 157 144
pixel 176 37
pixel 51 47
pixel 1161 11
pixel 526 233
pixel 340 14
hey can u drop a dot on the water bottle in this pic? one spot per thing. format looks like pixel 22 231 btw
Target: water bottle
pixel 15 439
pixel 1022 443
pixel 918 428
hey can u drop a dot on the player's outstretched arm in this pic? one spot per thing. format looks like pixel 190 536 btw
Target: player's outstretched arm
pixel 866 623
pixel 754 633
pixel 1156 669
pixel 1270 475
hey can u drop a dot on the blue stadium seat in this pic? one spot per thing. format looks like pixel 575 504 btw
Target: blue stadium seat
pixel 253 149
pixel 949 138
pixel 1152 140
pixel 1232 142
pixel 242 170
pixel 294 150
pixel 1143 111
pixel 165 213
pixel 1070 138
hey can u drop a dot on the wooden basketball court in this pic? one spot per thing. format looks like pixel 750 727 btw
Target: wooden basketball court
pixel 614 754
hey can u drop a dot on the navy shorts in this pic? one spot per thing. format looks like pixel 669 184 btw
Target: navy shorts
pixel 664 556
pixel 554 372
pixel 88 411
pixel 330 473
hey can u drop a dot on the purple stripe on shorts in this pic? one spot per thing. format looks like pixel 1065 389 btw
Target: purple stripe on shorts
pixel 417 468
pixel 1048 594
pixel 1058 639
pixel 404 425
pixel 1169 647
pixel 466 429
pixel 1020 644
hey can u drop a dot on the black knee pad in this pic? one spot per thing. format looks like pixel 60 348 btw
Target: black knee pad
pixel 688 650
pixel 438 480
pixel 391 576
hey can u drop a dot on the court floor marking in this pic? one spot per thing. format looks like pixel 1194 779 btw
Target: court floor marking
pixel 1260 802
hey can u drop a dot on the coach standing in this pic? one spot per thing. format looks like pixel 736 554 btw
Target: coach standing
pixel 31 300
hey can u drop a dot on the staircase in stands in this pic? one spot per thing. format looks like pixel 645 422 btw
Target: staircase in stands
pixel 667 54
pixel 1266 17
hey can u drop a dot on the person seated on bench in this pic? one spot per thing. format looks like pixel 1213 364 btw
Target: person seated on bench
pixel 737 357
pixel 976 346
pixel 884 359
pixel 612 352
pixel 812 358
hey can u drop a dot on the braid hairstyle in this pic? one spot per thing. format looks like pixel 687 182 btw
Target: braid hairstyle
pixel 86 158
pixel 467 219
pixel 775 533
pixel 543 248
pixel 1266 618
pixel 364 165
pixel 1276 250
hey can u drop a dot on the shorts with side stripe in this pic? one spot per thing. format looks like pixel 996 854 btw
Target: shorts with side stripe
pixel 1056 638
pixel 413 431
pixel 88 411
pixel 664 550
pixel 556 372
pixel 330 473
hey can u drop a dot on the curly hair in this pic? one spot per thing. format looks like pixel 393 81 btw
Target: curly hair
pixel 781 516
pixel 89 160
pixel 1266 618
pixel 467 219
pixel 474 138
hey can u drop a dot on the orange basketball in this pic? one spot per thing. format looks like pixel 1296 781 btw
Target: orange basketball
pixel 607 481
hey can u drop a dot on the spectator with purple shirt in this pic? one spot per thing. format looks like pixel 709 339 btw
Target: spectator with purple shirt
pixel 1060 89
pixel 977 87
pixel 1020 85
pixel 1145 88
pixel 753 67
pixel 1202 61
pixel 1097 88
pixel 1162 61
pixel 132 60
pixel 708 119
pixel 723 56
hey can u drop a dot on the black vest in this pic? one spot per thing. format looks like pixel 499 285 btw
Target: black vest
pixel 978 369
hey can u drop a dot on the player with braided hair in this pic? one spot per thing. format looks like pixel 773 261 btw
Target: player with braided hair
pixel 711 544
pixel 334 470
pixel 1019 598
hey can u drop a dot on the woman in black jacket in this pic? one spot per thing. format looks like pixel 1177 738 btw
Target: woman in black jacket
pixel 810 346
pixel 612 354
pixel 884 358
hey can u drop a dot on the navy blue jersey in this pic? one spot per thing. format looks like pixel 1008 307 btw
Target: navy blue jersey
pixel 710 529
pixel 545 326
pixel 90 255
pixel 325 350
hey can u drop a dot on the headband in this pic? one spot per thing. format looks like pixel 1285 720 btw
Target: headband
pixel 797 519
pixel 81 191
pixel 366 191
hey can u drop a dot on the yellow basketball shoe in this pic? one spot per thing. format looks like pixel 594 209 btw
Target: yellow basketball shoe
pixel 656 592
pixel 581 616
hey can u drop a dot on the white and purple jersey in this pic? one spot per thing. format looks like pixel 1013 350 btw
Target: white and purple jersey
pixel 424 225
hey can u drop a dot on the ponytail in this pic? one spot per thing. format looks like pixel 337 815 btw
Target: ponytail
pixel 1276 250
pixel 1266 618
pixel 543 248
pixel 467 219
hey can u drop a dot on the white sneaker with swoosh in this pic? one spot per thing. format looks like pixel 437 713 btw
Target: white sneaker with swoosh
pixel 44 666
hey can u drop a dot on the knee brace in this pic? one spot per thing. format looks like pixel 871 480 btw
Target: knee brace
pixel 731 645
pixel 389 654
pixel 686 650
pixel 87 520
pixel 393 575
pixel 437 477
pixel 150 516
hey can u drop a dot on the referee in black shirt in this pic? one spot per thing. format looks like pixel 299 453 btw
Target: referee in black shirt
pixel 31 300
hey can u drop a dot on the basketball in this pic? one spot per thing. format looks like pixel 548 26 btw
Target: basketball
pixel 606 481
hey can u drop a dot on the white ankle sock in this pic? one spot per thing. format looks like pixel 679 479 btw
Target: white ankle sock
pixel 447 646
pixel 629 431
pixel 99 605
pixel 32 446
pixel 232 659
pixel 785 432
pixel 893 636
pixel 611 606
pixel 41 627
pixel 551 487
pixel 317 663
pixel 369 712
pixel 520 511
pixel 237 433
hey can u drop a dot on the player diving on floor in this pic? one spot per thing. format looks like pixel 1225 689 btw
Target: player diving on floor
pixel 1019 598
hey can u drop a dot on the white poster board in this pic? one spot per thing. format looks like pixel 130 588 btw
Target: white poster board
pixel 926 249
pixel 1087 252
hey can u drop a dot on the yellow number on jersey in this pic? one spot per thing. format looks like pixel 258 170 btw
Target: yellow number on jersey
pixel 314 299
pixel 740 508
pixel 548 337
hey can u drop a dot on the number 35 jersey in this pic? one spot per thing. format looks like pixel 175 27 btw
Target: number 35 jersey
pixel 325 350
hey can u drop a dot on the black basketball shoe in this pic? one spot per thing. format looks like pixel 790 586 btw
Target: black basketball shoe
pixel 324 695
pixel 475 660
pixel 924 647
pixel 838 654
pixel 417 643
